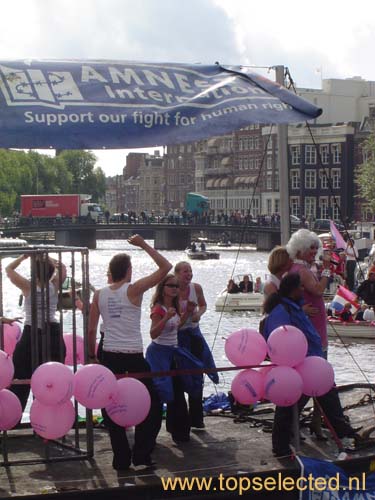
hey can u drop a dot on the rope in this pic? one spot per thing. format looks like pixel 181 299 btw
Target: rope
pixel 242 235
pixel 167 373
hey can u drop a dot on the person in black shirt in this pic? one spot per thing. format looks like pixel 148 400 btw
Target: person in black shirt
pixel 366 290
pixel 232 287
pixel 246 286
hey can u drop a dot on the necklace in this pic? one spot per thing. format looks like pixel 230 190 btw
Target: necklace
pixel 302 262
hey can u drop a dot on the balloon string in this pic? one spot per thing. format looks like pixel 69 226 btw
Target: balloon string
pixel 170 373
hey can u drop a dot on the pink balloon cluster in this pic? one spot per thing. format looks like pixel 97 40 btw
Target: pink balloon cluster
pixel 12 334
pixel 80 349
pixel 94 386
pixel 52 413
pixel 283 384
pixel 10 406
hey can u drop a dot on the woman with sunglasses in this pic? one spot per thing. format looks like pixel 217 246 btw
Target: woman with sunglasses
pixel 163 354
pixel 192 306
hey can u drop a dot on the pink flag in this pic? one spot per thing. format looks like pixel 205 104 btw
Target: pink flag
pixel 336 235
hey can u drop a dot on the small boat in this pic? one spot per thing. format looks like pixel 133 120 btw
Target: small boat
pixel 202 255
pixel 352 330
pixel 224 244
pixel 9 243
pixel 229 302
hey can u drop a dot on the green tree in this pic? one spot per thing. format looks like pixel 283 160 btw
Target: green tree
pixel 86 177
pixel 365 175
pixel 34 173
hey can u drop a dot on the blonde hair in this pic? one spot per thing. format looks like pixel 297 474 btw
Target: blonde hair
pixel 278 260
pixel 301 241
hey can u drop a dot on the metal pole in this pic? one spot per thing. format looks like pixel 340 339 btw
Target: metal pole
pixel 282 161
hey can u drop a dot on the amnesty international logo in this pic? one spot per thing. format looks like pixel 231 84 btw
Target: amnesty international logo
pixel 39 88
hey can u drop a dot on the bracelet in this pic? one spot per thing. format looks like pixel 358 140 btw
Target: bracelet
pixel 326 273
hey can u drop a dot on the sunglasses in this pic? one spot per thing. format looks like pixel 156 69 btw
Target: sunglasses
pixel 172 285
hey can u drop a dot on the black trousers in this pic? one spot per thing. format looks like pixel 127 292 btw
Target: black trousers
pixel 196 402
pixel 178 420
pixel 331 405
pixel 22 358
pixel 147 431
pixel 350 269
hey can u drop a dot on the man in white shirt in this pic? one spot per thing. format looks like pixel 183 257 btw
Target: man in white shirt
pixel 351 261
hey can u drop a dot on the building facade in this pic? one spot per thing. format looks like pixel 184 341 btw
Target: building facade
pixel 238 172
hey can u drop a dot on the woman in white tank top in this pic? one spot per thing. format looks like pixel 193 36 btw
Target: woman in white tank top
pixel 119 305
pixel 193 306
pixel 22 357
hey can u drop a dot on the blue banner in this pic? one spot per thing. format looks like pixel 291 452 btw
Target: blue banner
pixel 121 104
pixel 321 480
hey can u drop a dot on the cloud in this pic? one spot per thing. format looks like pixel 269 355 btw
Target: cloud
pixel 163 30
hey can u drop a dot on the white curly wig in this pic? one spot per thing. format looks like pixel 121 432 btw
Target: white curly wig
pixel 301 241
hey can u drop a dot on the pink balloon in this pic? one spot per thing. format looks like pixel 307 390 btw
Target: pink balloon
pixel 94 386
pixel 283 386
pixel 10 410
pixel 12 334
pixel 80 356
pixel 132 403
pixel 287 346
pixel 6 370
pixel 247 387
pixel 245 347
pixel 52 422
pixel 317 375
pixel 52 383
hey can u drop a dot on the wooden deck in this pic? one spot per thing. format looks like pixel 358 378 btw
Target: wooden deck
pixel 223 447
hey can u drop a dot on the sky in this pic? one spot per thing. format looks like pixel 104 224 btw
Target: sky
pixel 315 40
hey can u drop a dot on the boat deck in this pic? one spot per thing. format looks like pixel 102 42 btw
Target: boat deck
pixel 227 446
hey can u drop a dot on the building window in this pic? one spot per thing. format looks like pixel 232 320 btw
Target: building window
pixel 255 207
pixel 269 206
pixel 269 162
pixel 295 179
pixel 310 179
pixel 324 209
pixel 323 178
pixel 310 207
pixel 277 180
pixel 336 207
pixel 294 205
pixel 324 154
pixel 310 155
pixel 277 205
pixel 295 152
pixel 269 181
pixel 336 178
pixel 336 153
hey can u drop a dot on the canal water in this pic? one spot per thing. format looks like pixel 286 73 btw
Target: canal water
pixel 213 276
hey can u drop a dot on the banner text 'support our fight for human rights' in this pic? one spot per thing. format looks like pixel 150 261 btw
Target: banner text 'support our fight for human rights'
pixel 119 104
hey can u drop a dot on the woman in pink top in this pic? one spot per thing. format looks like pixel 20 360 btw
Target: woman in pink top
pixel 302 249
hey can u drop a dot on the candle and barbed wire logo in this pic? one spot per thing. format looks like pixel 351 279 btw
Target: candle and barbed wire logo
pixel 38 87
